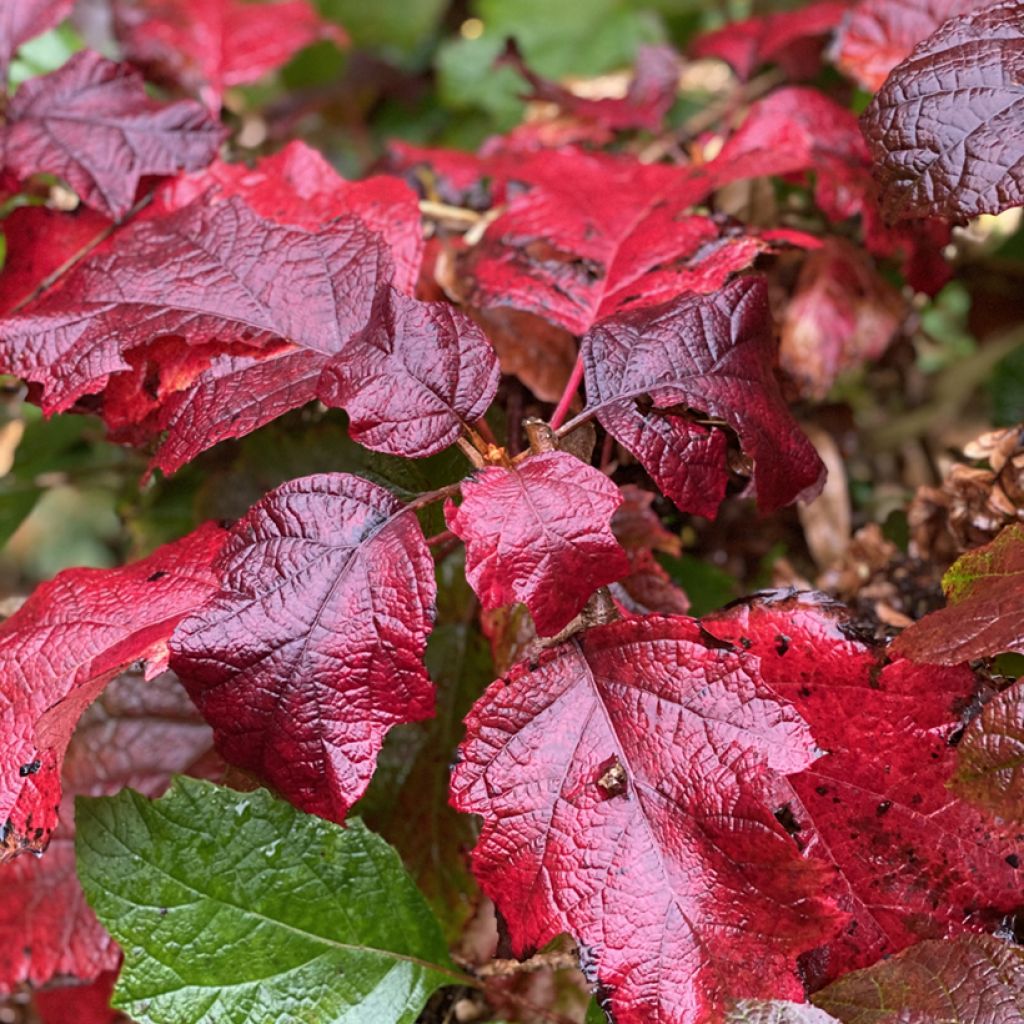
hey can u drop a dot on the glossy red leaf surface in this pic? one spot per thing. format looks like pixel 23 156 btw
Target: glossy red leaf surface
pixel 313 647
pixel 22 20
pixel 651 93
pixel 972 980
pixel 207 46
pixel 985 611
pixel 540 533
pixel 624 787
pixel 594 234
pixel 61 648
pixel 946 130
pixel 413 377
pixel 92 123
pixel 794 130
pixel 908 859
pixel 878 34
pixel 137 733
pixel 236 277
pixel 713 354
pixel 790 38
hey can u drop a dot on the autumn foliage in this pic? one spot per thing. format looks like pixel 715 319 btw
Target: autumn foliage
pixel 554 355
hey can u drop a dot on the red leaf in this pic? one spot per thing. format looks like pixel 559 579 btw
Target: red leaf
pixel 23 20
pixel 879 34
pixel 92 124
pixel 708 353
pixel 596 234
pixel 313 648
pixel 624 787
pixel 946 130
pixel 540 533
pixel 842 314
pixel 297 186
pixel 136 734
pixel 985 614
pixel 907 858
pixel 234 277
pixel 795 130
pixel 411 380
pixel 60 649
pixel 207 46
pixel 651 93
pixel 84 1004
pixel 781 38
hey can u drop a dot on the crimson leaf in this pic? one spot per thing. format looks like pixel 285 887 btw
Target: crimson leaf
pixel 985 613
pixel 878 34
pixel 92 124
pixel 907 859
pixel 947 129
pixel 713 354
pixel 624 785
pixel 539 532
pixel 61 648
pixel 22 21
pixel 136 734
pixel 789 38
pixel 313 647
pixel 416 375
pixel 207 46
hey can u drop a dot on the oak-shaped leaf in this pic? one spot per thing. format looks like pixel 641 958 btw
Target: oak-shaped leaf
pixel 92 123
pixel 946 130
pixel 312 649
pixel 985 607
pixel 207 46
pixel 137 733
pixel 539 532
pixel 713 354
pixel 990 756
pixel 413 377
pixel 22 21
pixel 210 271
pixel 907 858
pixel 624 785
pixel 975 979
pixel 238 902
pixel 791 39
pixel 877 35
pixel 58 651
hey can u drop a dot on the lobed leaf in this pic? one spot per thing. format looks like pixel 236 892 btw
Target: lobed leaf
pixel 624 787
pixel 92 123
pixel 908 859
pixel 945 130
pixel 712 354
pixel 312 649
pixel 539 532
pixel 61 648
pixel 236 905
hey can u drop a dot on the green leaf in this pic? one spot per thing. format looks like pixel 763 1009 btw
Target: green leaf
pixel 578 37
pixel 45 53
pixel 235 907
pixel 398 28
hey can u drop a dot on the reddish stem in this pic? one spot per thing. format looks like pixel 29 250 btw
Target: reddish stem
pixel 440 538
pixel 562 409
pixel 483 428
